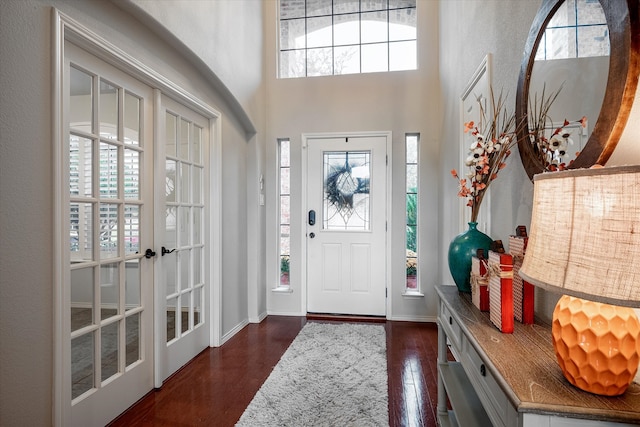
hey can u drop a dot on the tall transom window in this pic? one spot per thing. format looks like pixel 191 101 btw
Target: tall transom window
pixel 329 37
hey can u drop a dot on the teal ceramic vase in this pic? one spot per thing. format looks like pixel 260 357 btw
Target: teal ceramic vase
pixel 461 249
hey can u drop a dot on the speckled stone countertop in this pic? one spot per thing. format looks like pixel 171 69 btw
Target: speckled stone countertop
pixel 525 366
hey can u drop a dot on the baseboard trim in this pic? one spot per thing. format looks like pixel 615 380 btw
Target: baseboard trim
pixel 346 318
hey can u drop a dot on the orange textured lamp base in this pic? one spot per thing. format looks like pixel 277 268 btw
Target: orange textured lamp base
pixel 597 345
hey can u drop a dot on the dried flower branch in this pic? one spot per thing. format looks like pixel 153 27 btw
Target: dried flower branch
pixel 494 137
pixel 550 151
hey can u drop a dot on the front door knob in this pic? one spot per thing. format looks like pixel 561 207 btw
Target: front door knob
pixel 312 235
pixel 149 253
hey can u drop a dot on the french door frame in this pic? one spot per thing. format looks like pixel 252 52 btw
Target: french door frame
pixel 66 29
pixel 388 208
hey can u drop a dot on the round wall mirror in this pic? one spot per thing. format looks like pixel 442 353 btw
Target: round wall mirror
pixel 585 57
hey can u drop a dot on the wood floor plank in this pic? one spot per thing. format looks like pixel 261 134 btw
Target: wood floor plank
pixel 217 385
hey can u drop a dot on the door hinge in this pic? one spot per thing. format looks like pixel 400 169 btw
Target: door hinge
pixel 386 160
pixel 386 292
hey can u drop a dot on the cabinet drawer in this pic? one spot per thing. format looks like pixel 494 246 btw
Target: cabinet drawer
pixel 450 326
pixel 494 399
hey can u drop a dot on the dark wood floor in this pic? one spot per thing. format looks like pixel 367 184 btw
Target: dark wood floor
pixel 215 388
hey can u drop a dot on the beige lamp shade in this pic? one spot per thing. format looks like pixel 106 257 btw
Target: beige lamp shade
pixel 585 234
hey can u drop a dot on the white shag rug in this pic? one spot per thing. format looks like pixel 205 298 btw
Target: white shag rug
pixel 331 375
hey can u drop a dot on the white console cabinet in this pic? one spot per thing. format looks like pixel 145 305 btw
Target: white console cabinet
pixel 512 380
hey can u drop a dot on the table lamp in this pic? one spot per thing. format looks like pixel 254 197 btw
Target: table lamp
pixel 584 243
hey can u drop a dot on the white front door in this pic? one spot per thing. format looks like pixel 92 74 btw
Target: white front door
pixel 346 225
pixel 183 196
pixel 107 301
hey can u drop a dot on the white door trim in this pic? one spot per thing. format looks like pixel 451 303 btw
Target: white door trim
pixel 305 137
pixel 64 28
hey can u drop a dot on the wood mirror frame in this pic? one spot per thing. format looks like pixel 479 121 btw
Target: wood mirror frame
pixel 623 21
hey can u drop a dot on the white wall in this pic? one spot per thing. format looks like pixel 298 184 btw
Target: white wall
pixel 401 102
pixel 26 228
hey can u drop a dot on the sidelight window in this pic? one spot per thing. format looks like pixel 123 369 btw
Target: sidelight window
pixel 411 198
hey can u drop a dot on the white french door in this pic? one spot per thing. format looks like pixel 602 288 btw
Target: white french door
pixel 136 277
pixel 182 177
pixel 107 301
pixel 346 225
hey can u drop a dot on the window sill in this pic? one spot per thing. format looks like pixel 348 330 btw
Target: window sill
pixel 412 294
pixel 282 290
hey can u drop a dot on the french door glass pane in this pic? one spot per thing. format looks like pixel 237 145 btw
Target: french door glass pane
pixel 184 139
pixel 132 284
pixel 170 273
pixel 80 231
pixel 171 123
pixel 197 225
pixel 132 331
pixel 184 183
pixel 197 306
pixel 131 229
pixel 131 119
pixel 346 191
pixel 171 318
pixel 170 173
pixel 184 233
pixel 82 379
pixel 109 290
pixel 196 145
pixel 108 170
pixel 186 309
pixel 185 267
pixel 108 230
pixel 131 174
pixel 82 286
pixel 80 162
pixel 108 110
pixel 109 353
pixel 170 238
pixel 197 184
pixel 197 265
pixel 80 101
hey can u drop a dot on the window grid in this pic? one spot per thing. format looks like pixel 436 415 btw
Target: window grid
pixel 411 217
pixel 284 213
pixel 406 6
pixel 574 18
